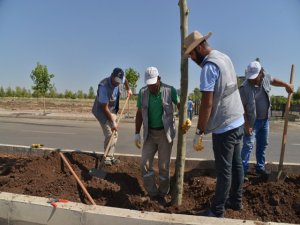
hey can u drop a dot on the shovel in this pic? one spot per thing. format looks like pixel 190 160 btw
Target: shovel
pixel 98 172
pixel 280 174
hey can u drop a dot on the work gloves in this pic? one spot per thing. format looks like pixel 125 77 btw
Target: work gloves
pixel 186 126
pixel 138 140
pixel 198 142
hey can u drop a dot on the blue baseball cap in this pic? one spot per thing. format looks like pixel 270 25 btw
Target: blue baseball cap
pixel 118 75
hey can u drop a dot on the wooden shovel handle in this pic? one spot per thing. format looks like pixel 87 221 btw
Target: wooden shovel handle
pixel 286 120
pixel 77 179
pixel 113 134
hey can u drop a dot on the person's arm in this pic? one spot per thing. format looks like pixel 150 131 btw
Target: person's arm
pixel 129 92
pixel 109 116
pixel 248 129
pixel 138 121
pixel 205 109
pixel 138 117
pixel 175 98
pixel 279 83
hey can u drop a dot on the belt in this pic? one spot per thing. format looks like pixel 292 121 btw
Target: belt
pixel 156 128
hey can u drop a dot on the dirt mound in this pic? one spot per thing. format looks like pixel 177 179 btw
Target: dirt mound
pixel 48 177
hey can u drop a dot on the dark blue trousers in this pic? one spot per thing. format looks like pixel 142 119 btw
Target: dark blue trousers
pixel 229 168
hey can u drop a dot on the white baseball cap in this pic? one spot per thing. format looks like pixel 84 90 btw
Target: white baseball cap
pixel 151 75
pixel 253 70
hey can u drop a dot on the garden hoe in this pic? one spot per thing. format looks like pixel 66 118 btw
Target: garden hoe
pixel 97 171
pixel 280 174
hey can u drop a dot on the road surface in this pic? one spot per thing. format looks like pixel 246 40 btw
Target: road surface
pixel 87 135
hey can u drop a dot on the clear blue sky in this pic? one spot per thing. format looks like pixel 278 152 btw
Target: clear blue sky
pixel 81 41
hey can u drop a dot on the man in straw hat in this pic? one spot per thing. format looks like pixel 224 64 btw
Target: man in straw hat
pixel 221 113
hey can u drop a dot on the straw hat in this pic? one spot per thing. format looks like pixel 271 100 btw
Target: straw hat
pixel 193 40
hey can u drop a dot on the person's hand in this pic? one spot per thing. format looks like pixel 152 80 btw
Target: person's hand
pixel 138 140
pixel 198 143
pixel 248 129
pixel 186 126
pixel 289 88
pixel 129 92
pixel 114 126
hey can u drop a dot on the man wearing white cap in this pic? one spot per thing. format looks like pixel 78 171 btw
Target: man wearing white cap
pixel 106 107
pixel 221 113
pixel 155 112
pixel 255 95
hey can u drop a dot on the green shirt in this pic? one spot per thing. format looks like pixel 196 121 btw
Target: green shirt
pixel 155 108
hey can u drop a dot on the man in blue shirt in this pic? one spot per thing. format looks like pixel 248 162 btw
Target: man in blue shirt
pixel 190 105
pixel 106 107
pixel 221 113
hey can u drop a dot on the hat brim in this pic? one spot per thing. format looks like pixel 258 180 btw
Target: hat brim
pixel 119 80
pixel 252 76
pixel 195 44
pixel 151 81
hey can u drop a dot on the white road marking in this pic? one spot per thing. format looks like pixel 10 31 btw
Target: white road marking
pixel 295 144
pixel 47 132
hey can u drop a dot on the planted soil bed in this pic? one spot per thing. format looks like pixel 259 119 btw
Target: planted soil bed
pixel 49 177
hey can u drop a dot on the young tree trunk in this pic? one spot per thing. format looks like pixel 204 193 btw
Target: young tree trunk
pixel 177 189
pixel 44 105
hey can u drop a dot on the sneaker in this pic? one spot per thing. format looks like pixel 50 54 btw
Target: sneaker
pixel 209 213
pixel 246 179
pixel 115 161
pixel 108 162
pixel 262 173
pixel 233 206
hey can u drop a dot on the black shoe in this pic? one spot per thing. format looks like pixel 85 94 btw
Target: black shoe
pixel 160 199
pixel 233 206
pixel 262 173
pixel 209 213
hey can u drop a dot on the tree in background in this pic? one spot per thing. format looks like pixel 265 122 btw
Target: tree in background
pixel 53 92
pixel 132 77
pixel 91 93
pixel 197 94
pixel 296 95
pixel 41 79
pixel 2 92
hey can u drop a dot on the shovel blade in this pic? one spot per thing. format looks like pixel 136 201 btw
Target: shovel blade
pixel 97 173
pixel 277 175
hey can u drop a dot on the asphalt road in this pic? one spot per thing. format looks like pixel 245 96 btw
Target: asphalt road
pixel 87 135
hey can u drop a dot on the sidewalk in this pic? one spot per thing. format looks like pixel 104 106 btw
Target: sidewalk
pixel 34 114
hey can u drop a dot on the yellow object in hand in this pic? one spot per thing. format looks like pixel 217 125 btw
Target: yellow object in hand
pixel 198 143
pixel 186 126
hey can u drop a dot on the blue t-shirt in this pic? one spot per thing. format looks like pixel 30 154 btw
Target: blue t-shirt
pixel 209 75
pixel 190 105
pixel 104 98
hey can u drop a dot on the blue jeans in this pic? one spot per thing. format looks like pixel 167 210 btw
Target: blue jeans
pixel 261 135
pixel 190 114
pixel 229 168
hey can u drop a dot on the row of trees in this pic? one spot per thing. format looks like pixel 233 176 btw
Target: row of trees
pixel 42 86
pixel 52 93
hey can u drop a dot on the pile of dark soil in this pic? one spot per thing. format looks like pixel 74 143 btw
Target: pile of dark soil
pixel 48 177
